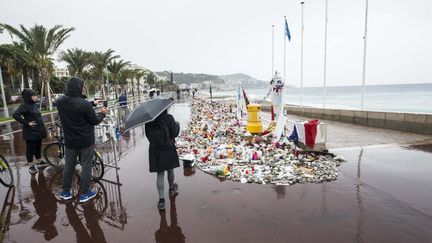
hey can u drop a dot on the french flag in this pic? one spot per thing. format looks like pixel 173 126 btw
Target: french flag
pixel 305 132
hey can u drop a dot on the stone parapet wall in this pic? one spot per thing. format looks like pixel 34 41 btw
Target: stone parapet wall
pixel 408 122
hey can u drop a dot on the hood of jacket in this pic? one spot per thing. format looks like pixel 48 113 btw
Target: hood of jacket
pixel 27 94
pixel 75 87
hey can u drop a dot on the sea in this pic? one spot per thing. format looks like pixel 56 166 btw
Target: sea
pixel 408 98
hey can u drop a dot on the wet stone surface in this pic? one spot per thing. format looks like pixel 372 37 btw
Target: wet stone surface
pixel 381 195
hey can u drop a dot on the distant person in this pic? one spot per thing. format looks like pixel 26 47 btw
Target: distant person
pixel 33 127
pixel 163 155
pixel 178 94
pixel 78 119
pixel 158 92
pixel 122 102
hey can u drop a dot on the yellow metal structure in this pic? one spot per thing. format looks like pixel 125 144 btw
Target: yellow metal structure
pixel 254 124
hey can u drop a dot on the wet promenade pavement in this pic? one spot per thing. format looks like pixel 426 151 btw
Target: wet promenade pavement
pixel 381 195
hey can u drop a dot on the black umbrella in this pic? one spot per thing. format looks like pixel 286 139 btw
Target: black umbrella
pixel 147 112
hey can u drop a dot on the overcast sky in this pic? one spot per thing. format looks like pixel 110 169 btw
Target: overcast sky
pixel 233 36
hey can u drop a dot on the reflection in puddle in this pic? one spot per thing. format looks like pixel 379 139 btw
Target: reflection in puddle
pixel 45 205
pixel 169 233
pixel 422 147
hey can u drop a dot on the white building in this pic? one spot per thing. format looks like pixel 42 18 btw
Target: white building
pixel 142 82
pixel 61 72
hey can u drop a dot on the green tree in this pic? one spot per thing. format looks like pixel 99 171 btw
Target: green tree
pixel 151 79
pixel 16 61
pixel 58 85
pixel 115 68
pixel 41 43
pixel 138 75
pixel 99 62
pixel 125 75
pixel 76 59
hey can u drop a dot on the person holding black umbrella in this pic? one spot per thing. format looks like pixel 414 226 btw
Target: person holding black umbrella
pixel 163 156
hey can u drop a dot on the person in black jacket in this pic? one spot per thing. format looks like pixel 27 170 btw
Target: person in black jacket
pixel 163 155
pixel 33 127
pixel 78 119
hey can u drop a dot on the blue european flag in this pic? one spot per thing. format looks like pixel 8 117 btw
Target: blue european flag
pixel 287 32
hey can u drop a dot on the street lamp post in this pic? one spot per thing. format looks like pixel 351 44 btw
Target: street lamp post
pixel 325 56
pixel 108 89
pixel 301 61
pixel 364 58
pixel 5 108
pixel 171 77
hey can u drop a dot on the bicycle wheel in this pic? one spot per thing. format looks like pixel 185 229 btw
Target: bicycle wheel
pixel 98 167
pixel 54 154
pixel 5 214
pixel 56 181
pixel 6 176
pixel 100 202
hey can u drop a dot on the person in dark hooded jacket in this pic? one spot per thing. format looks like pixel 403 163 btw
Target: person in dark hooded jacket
pixel 163 155
pixel 78 119
pixel 33 127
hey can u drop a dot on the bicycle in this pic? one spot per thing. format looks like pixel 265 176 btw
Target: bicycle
pixel 5 214
pixel 100 202
pixel 54 152
pixel 6 175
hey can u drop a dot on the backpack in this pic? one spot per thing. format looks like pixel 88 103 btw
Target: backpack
pixel 159 134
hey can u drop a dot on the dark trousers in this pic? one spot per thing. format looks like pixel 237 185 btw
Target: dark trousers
pixel 33 149
pixel 86 157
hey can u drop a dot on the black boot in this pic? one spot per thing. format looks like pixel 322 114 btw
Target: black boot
pixel 161 204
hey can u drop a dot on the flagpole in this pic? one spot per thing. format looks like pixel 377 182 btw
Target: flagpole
pixel 284 79
pixel 284 54
pixel 301 62
pixel 272 51
pixel 364 57
pixel 325 56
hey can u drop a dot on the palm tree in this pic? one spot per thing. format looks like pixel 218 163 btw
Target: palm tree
pixel 124 76
pixel 41 43
pixel 139 74
pixel 76 59
pixel 16 60
pixel 100 61
pixel 151 79
pixel 115 67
